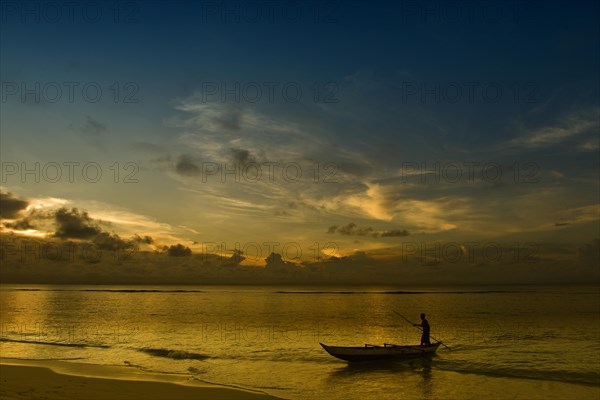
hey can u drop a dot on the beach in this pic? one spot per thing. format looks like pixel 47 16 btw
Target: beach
pixel 49 380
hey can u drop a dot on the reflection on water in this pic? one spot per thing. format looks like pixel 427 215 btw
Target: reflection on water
pixel 416 365
pixel 268 338
pixel 414 372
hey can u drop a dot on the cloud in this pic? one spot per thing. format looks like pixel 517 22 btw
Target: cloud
pixel 352 229
pixel 591 145
pixel 572 125
pixel 581 215
pixel 235 259
pixel 92 126
pixel 275 262
pixel 229 119
pixel 217 131
pixel 395 233
pixel 185 166
pixel 241 156
pixel 37 214
pixel 211 117
pixel 111 241
pixel 372 202
pixel 50 218
pixel 75 224
pixel 326 172
pixel 145 239
pixel 357 169
pixel 20 225
pixel 368 188
pixel 178 250
pixel 11 206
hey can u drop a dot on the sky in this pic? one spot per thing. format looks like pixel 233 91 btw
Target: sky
pixel 319 142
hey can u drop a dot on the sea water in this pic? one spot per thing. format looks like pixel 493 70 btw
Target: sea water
pixel 505 342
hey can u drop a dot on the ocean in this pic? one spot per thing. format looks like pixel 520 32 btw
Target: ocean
pixel 518 342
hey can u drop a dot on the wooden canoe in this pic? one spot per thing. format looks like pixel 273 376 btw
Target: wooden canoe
pixel 387 351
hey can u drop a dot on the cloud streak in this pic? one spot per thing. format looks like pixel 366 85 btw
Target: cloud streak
pixel 351 229
pixel 574 124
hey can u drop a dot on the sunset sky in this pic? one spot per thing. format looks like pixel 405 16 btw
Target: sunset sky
pixel 356 130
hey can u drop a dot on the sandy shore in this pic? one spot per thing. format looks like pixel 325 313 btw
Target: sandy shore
pixel 54 380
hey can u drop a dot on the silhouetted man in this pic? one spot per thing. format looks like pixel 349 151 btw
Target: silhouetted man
pixel 425 326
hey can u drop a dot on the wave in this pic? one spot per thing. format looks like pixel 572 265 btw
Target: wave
pixel 108 290
pixel 585 378
pixel 80 345
pixel 402 292
pixel 174 354
pixel 238 387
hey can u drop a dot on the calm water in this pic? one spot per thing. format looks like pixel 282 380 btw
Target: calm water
pixel 517 342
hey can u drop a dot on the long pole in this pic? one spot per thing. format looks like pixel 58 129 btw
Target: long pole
pixel 417 326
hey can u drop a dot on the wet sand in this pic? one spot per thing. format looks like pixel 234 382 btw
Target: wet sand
pixel 54 380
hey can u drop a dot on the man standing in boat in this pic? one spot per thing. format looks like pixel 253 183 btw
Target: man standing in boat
pixel 425 326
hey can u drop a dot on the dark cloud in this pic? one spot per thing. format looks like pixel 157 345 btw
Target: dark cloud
pixel 235 259
pixel 143 239
pixel 351 229
pixel 241 156
pixel 20 225
pixel 32 220
pixel 178 250
pixel 395 233
pixel 186 166
pixel 350 168
pixel 69 224
pixel 292 205
pixel 75 224
pixel 356 261
pixel 111 241
pixel 92 126
pixel 275 262
pixel 11 206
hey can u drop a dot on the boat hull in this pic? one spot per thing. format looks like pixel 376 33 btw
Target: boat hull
pixel 387 352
